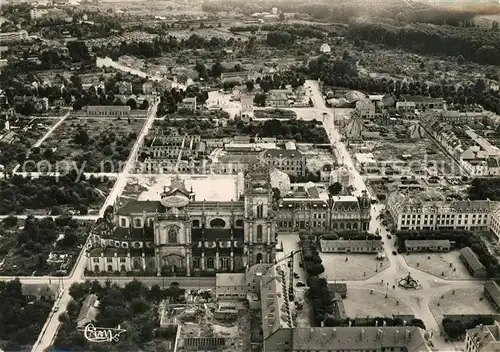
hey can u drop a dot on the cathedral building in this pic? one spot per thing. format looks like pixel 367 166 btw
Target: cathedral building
pixel 180 234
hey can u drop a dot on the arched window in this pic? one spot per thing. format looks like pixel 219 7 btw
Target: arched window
pixel 259 233
pixel 123 222
pixel 110 267
pixel 196 263
pixel 239 223
pixel 96 268
pixel 172 236
pixel 122 268
pixel 218 223
pixel 196 223
pixel 224 263
pixel 138 222
pixel 355 226
pixel 259 258
pixel 210 263
pixel 260 211
pixel 348 226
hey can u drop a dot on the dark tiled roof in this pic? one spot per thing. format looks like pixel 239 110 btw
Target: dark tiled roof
pixel 140 206
pixel 210 234
pixel 133 233
pixel 471 258
pixel 276 153
pixel 493 290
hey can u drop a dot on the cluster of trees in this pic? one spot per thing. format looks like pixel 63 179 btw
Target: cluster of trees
pixel 162 45
pixel 310 255
pixel 321 299
pixel 36 239
pixel 19 193
pixel 20 320
pixel 343 73
pixel 474 44
pixel 295 29
pixel 460 239
pixel 351 235
pixel 206 126
pixel 134 307
pixel 170 99
pixel 484 188
pixel 455 329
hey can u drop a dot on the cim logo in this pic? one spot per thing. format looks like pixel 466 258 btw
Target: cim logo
pixel 100 335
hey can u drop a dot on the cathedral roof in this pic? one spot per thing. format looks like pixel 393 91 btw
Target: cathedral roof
pixel 140 206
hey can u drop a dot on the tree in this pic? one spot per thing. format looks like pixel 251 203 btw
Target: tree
pixel 132 103
pixel 276 193
pixel 144 105
pixel 78 290
pixel 259 99
pixel 249 85
pixel 282 16
pixel 81 137
pixel 335 189
pixel 216 70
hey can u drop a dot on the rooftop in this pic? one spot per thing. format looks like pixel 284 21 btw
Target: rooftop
pixel 231 280
pixel 493 290
pixel 486 337
pixel 427 243
pixel 359 338
pixel 471 258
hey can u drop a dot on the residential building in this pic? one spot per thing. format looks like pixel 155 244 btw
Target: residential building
pixel 277 99
pixel 231 286
pixel 427 245
pixel 314 210
pixel 124 87
pixel 239 76
pixel 472 262
pixel 8 37
pixel 292 162
pixel 424 103
pixel 405 107
pixel 177 232
pixel 88 312
pixel 105 111
pixel 38 13
pixel 495 221
pixel 492 292
pixel 365 110
pixel 483 338
pixel 325 48
pixel 414 213
pixel 188 104
pixel 148 88
pixel 44 292
pixel 247 106
pixel 351 246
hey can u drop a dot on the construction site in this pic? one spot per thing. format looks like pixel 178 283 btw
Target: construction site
pixel 205 325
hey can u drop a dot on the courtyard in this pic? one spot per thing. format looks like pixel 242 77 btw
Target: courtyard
pixel 217 188
pixel 357 266
pixel 360 303
pixel 462 301
pixel 96 145
pixel 317 158
pixel 436 264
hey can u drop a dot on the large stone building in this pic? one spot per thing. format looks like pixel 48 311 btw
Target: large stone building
pixel 414 213
pixel 188 236
pixel 314 210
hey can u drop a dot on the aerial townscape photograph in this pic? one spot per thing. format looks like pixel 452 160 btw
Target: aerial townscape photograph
pixel 249 176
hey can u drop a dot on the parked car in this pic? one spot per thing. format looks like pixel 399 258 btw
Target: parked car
pixel 300 284
pixel 301 264
pixel 394 253
pixel 389 236
pixel 295 275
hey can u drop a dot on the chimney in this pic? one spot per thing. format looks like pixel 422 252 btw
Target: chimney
pixel 407 336
pixel 380 333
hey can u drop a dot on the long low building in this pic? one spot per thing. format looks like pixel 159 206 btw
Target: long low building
pixel 492 291
pixel 472 262
pixel 427 245
pixel 351 246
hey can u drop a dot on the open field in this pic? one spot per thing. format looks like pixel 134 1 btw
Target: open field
pixel 439 263
pixel 357 267
pixel 92 144
pixel 463 301
pixel 361 304
pixel 22 253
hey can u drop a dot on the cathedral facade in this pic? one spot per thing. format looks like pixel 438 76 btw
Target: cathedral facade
pixel 181 235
